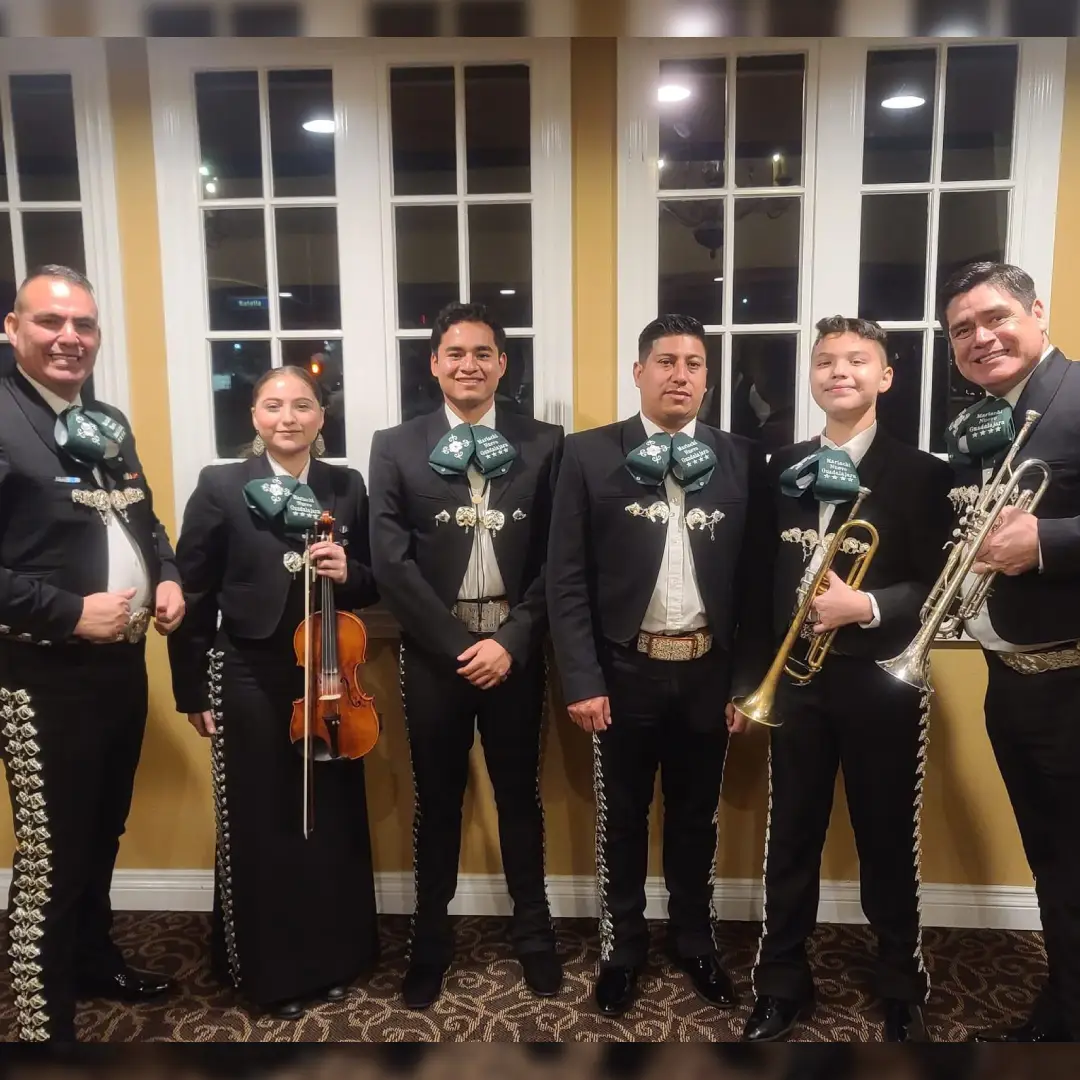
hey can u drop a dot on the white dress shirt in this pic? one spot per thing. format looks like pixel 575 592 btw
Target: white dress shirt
pixel 855 448
pixel 280 470
pixel 675 606
pixel 482 578
pixel 127 570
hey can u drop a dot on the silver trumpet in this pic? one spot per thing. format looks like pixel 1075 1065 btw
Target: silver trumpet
pixel 946 608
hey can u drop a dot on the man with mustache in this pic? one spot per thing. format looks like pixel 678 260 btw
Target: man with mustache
pixel 1029 628
pixel 85 565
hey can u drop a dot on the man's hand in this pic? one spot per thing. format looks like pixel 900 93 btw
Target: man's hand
pixel 1013 545
pixel 840 605
pixel 330 561
pixel 169 607
pixel 104 616
pixel 736 721
pixel 485 664
pixel 203 723
pixel 591 714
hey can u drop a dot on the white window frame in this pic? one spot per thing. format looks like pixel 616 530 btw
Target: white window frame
pixel 84 61
pixel 833 179
pixel 361 74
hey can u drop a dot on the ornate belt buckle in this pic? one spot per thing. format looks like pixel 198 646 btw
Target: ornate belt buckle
pixel 137 626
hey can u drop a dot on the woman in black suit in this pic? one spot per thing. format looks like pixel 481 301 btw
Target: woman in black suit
pixel 294 917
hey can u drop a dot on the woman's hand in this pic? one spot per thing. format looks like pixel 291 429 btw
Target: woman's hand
pixel 330 561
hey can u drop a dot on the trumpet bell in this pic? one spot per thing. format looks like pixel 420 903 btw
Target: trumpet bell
pixel 911 666
pixel 758 708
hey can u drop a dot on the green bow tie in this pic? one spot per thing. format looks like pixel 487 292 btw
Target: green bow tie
pixel 982 432
pixel 472 444
pixel 830 474
pixel 690 462
pixel 90 437
pixel 287 498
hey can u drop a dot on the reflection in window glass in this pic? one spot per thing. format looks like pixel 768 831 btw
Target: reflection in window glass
pixel 422 130
pixel 227 106
pixel 898 128
pixel 900 407
pixel 323 359
pixel 179 20
pixel 769 120
pixel 236 270
pixel 763 388
pixel 492 18
pixel 280 19
pixel 766 285
pixel 404 18
pixel 8 284
pixel 43 113
pixel 691 263
pixel 54 236
pixel 972 225
pixel 3 169
pixel 302 157
pixel 307 260
pixel 892 264
pixel 951 393
pixel 980 99
pixel 693 120
pixel 710 410
pixel 235 368
pixel 498 132
pixel 427 262
pixel 500 261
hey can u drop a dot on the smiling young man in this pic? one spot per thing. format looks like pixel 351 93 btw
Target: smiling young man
pixel 852 713
pixel 649 579
pixel 460 505
pixel 1030 626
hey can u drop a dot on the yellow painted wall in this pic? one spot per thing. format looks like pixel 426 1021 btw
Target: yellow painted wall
pixel 969 833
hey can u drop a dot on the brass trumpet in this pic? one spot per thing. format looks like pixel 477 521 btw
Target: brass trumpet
pixel 946 609
pixel 758 706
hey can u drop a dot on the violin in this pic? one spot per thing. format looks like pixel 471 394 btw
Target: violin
pixel 336 717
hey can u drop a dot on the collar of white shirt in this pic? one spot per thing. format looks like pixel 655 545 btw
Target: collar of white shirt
pixel 280 470
pixel 487 420
pixel 53 400
pixel 652 429
pixel 1013 396
pixel 856 446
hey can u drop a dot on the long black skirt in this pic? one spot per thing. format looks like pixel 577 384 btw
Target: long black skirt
pixel 293 916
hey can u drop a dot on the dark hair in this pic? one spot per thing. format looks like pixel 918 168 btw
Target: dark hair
pixel 866 329
pixel 668 326
pixel 54 270
pixel 302 374
pixel 456 313
pixel 1011 279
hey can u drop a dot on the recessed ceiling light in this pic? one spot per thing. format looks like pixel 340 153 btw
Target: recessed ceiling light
pixel 211 187
pixel 285 295
pixel 506 292
pixel 320 126
pixel 672 92
pixel 903 101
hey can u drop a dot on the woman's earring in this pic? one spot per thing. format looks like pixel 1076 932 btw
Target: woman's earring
pixel 320 445
pixel 258 446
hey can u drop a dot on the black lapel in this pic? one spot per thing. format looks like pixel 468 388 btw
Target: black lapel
pixel 799 512
pixel 508 428
pixel 437 427
pixel 321 482
pixel 1040 389
pixel 43 420
pixel 652 536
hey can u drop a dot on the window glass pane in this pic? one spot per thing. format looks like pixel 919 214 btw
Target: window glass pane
pixel 235 368
pixel 54 236
pixel 763 388
pixel 952 18
pixel 769 120
pixel 515 390
pixel 236 270
pixel 404 18
pixel 710 413
pixel 422 131
pixel 227 106
pixel 766 286
pixel 43 113
pixel 4 196
pixel 900 407
pixel 951 393
pixel 427 262
pixel 307 260
pixel 980 97
pixel 266 20
pixel 323 359
pixel 691 264
pixel 303 160
pixel 892 265
pixel 8 284
pixel 498 131
pixel 972 225
pixel 1042 18
pixel 500 261
pixel 898 137
pixel 179 20
pixel 492 18
pixel 693 122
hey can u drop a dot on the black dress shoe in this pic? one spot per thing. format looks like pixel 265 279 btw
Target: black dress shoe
pixel 543 972
pixel 287 1010
pixel 127 985
pixel 422 985
pixel 616 989
pixel 772 1018
pixel 710 981
pixel 336 993
pixel 1030 1031
pixel 904 1022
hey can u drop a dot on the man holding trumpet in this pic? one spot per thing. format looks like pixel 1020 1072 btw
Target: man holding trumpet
pixel 890 504
pixel 1029 626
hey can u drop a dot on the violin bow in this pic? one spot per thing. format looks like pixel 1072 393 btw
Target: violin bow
pixel 309 779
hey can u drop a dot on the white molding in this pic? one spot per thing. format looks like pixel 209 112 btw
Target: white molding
pixel 999 907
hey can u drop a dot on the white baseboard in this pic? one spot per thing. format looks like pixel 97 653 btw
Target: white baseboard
pixel 1001 907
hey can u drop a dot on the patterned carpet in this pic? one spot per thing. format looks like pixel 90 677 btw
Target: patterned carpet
pixel 980 977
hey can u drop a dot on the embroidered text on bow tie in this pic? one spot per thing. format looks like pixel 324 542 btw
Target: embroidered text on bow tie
pixel 284 497
pixel 691 463
pixel 90 436
pixel 982 433
pixel 472 444
pixel 830 474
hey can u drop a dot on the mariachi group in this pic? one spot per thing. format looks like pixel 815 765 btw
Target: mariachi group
pixel 691 587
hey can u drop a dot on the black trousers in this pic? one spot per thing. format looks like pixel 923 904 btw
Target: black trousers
pixel 669 714
pixel 72 720
pixel 1033 722
pixel 442 710
pixel 854 715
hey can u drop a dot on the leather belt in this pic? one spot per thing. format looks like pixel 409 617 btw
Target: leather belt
pixel 1035 663
pixel 482 616
pixel 675 646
